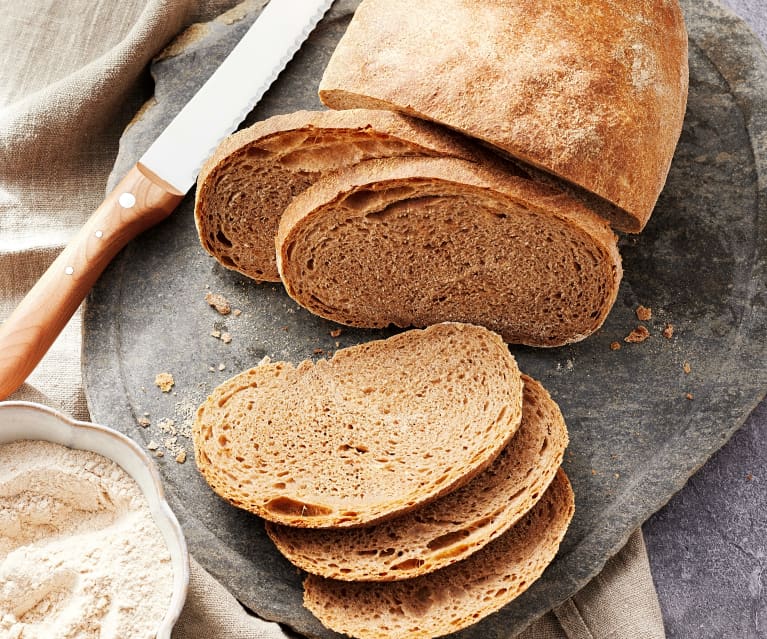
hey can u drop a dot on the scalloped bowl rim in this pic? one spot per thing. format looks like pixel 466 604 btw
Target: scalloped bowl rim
pixel 21 420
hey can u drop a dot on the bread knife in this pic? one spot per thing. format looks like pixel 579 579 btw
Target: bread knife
pixel 155 186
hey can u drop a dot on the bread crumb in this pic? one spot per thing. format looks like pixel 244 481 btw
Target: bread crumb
pixel 167 426
pixel 722 156
pixel 617 475
pixel 264 360
pixel 285 328
pixel 615 346
pixel 689 395
pixel 236 312
pixel 222 367
pixel 568 365
pixel 686 368
pixel 143 422
pixel 152 445
pixel 159 453
pixel 749 477
pixel 643 313
pixel 318 351
pixel 216 334
pixel 593 472
pixel 164 381
pixel 336 332
pixel 226 338
pixel 181 457
pixel 639 334
pixel 219 302
pixel 668 332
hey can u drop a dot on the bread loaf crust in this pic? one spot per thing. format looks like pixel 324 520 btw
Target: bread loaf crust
pixel 414 285
pixel 455 597
pixel 253 175
pixel 376 431
pixel 593 92
pixel 452 527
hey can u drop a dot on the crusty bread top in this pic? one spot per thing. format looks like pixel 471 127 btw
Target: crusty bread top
pixel 454 526
pixel 592 91
pixel 457 596
pixel 443 239
pixel 376 431
pixel 244 187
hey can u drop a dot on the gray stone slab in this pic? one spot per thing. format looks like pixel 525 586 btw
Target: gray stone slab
pixel 708 546
pixel 635 438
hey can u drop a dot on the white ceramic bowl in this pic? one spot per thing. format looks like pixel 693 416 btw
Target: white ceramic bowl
pixel 26 420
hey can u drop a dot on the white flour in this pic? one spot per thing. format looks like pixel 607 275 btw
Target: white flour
pixel 80 555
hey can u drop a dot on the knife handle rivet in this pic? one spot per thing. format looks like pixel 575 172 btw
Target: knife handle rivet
pixel 127 200
pixel 99 234
pixel 69 270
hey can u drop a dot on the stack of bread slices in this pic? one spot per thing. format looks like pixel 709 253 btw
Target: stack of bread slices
pixel 480 157
pixel 416 479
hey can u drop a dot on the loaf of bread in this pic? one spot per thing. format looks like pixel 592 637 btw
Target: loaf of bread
pixel 415 241
pixel 254 174
pixel 593 91
pixel 447 600
pixel 451 528
pixel 377 430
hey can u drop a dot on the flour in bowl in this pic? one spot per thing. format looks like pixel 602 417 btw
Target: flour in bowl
pixel 80 555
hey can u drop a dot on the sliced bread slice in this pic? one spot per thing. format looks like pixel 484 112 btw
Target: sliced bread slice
pixel 451 528
pixel 254 174
pixel 593 92
pixel 415 241
pixel 457 596
pixel 377 430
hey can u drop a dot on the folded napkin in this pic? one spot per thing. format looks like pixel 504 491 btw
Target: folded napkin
pixel 75 74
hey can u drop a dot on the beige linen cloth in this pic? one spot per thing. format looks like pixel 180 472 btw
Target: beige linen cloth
pixel 74 72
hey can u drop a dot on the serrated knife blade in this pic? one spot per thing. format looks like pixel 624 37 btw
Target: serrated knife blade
pixel 153 188
pixel 231 92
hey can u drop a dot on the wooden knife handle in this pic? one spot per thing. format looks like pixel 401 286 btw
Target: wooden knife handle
pixel 139 201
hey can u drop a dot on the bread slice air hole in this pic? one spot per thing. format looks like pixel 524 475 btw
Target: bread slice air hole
pixel 293 507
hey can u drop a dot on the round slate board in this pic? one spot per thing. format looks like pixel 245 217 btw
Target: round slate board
pixel 635 437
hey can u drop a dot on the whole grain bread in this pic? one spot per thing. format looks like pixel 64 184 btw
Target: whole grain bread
pixel 593 92
pixel 451 528
pixel 253 175
pixel 457 596
pixel 415 241
pixel 377 430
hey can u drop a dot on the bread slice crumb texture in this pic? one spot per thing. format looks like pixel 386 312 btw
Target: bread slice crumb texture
pixel 415 241
pixel 451 528
pixel 379 429
pixel 255 173
pixel 457 596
